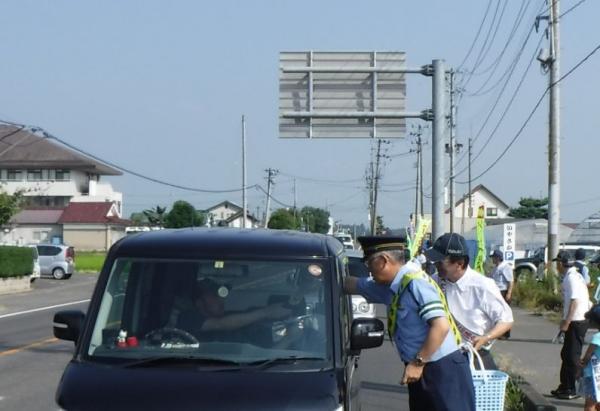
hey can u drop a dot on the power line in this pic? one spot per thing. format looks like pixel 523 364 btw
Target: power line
pixel 508 106
pixel 317 180
pixel 125 170
pixel 484 53
pixel 572 8
pixel 487 10
pixel 567 74
pixel 498 98
pixel 519 19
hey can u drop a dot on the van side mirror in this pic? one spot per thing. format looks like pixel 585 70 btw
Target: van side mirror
pixel 366 333
pixel 67 324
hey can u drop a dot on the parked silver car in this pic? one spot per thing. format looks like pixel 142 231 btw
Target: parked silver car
pixel 356 268
pixel 56 260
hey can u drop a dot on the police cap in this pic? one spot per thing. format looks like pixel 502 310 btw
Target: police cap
pixel 376 244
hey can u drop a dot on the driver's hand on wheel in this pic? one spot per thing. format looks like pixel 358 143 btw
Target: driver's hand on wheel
pixel 277 311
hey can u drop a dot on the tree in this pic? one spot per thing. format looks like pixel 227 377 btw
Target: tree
pixel 530 207
pixel 156 216
pixel 139 218
pixel 9 205
pixel 183 214
pixel 284 219
pixel 380 228
pixel 316 220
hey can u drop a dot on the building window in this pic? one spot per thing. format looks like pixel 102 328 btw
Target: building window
pixel 62 175
pixel 491 212
pixel 13 175
pixel 34 175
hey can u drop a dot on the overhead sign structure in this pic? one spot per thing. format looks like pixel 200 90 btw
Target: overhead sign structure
pixel 343 95
pixel 509 244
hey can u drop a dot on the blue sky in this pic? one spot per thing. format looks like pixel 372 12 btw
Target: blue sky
pixel 159 87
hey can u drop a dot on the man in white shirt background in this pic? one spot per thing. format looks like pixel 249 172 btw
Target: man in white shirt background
pixel 474 300
pixel 502 274
pixel 576 303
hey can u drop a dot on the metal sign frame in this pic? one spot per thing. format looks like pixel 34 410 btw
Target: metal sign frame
pixel 344 95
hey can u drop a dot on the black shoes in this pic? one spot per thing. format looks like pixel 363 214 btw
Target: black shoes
pixel 564 394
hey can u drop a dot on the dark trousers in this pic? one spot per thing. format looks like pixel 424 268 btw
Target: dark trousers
pixel 446 385
pixel 571 353
pixel 503 292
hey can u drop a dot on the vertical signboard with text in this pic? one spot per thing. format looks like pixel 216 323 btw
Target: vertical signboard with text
pixel 509 243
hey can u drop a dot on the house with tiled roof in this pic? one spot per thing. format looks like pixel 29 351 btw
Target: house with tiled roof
pixel 50 174
pixel 91 226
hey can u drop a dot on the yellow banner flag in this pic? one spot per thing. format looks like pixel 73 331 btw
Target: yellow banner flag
pixel 480 259
pixel 422 227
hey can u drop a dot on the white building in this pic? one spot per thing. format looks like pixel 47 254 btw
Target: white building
pixel 465 219
pixel 52 175
pixel 228 214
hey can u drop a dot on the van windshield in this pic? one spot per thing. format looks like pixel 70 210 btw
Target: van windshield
pixel 226 310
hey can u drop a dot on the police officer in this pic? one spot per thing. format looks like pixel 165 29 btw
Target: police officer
pixel 436 371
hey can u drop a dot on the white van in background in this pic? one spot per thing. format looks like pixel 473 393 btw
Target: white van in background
pixel 345 239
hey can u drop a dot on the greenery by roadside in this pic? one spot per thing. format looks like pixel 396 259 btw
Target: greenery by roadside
pixel 15 261
pixel 89 262
pixel 544 295
pixel 514 399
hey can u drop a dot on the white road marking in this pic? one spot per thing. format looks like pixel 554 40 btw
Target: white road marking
pixel 43 308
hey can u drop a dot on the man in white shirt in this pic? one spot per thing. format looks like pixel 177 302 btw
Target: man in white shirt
pixel 474 300
pixel 576 303
pixel 502 274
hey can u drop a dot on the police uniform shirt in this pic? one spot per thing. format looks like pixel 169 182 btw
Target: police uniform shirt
pixel 419 303
pixel 476 304
pixel 502 275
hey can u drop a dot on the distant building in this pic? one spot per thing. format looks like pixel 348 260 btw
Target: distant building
pixel 92 226
pixel 465 220
pixel 588 231
pixel 229 214
pixel 52 175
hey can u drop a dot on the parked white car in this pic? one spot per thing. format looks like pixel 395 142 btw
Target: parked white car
pixel 356 268
pixel 37 272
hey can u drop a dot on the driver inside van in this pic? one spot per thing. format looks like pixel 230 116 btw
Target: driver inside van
pixel 208 312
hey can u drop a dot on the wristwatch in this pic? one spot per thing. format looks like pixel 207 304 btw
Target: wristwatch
pixel 419 361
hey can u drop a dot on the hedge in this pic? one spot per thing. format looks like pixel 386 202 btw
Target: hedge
pixel 15 261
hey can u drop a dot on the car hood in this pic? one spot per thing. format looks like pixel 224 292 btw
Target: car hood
pixel 93 387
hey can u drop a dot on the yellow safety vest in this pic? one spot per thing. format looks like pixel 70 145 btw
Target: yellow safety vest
pixel 393 309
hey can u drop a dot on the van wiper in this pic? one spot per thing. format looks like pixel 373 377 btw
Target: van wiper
pixel 262 364
pixel 177 359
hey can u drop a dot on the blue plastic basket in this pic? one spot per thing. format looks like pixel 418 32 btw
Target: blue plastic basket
pixel 490 385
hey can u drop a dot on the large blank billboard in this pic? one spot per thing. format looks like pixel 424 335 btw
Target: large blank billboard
pixel 342 95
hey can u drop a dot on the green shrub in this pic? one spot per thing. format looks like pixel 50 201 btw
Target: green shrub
pixel 15 261
pixel 532 294
pixel 514 399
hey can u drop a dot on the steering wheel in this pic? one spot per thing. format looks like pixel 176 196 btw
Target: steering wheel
pixel 170 335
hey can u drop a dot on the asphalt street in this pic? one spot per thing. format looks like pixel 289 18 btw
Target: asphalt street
pixel 32 360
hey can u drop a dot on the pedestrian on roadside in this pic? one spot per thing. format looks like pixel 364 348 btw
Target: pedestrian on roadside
pixel 480 312
pixel 582 266
pixel 502 274
pixel 436 370
pixel 589 362
pixel 576 302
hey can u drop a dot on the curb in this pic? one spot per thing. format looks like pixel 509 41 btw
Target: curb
pixel 534 401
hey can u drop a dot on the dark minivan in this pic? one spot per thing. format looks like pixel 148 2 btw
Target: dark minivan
pixel 217 319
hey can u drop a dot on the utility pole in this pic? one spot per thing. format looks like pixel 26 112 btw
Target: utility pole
pixel 419 182
pixel 244 200
pixel 295 204
pixel 376 178
pixel 554 135
pixel 270 174
pixel 469 186
pixel 451 149
pixel 437 149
